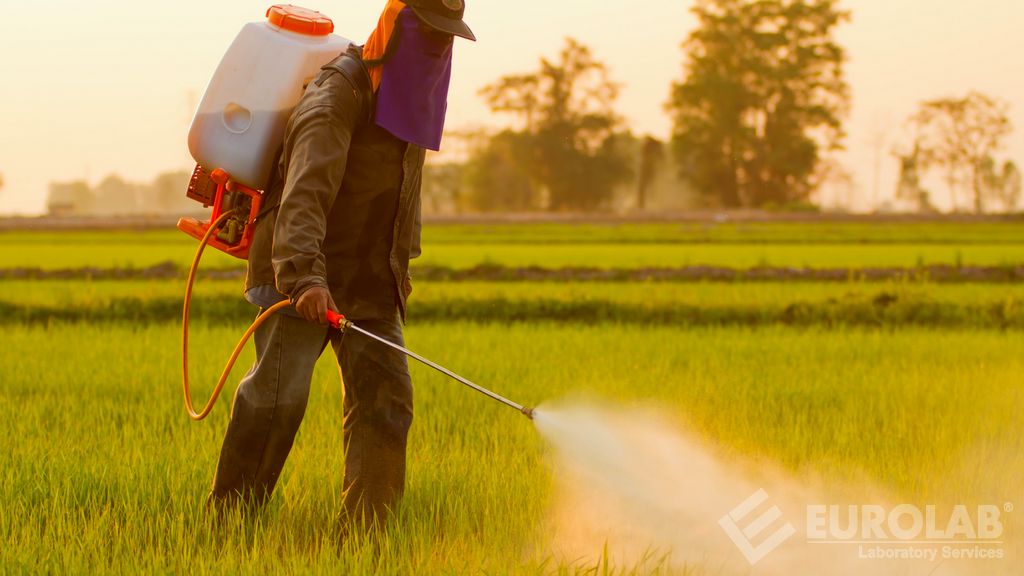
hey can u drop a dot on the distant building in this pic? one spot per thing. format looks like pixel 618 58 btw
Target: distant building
pixel 115 196
pixel 70 199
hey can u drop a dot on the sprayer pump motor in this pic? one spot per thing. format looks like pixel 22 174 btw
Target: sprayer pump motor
pixel 217 189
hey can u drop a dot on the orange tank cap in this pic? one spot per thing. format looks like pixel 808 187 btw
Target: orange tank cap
pixel 300 20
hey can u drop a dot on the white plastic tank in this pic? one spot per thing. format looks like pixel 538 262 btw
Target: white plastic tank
pixel 240 122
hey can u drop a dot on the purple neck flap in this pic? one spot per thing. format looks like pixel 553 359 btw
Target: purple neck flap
pixel 413 93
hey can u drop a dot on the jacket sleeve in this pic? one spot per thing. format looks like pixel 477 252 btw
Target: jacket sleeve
pixel 315 152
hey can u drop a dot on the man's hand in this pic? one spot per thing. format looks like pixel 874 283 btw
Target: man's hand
pixel 314 303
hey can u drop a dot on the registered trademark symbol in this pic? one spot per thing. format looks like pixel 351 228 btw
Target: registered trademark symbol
pixel 1008 507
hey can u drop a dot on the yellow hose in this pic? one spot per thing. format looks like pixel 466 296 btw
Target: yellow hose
pixel 184 330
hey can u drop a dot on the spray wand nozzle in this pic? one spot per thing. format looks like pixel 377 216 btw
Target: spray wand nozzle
pixel 339 321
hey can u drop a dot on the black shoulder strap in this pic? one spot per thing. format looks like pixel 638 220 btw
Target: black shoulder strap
pixel 350 65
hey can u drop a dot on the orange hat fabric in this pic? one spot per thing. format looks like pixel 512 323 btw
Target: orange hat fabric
pixel 377 43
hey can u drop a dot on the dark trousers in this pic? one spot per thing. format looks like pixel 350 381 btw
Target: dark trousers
pixel 271 401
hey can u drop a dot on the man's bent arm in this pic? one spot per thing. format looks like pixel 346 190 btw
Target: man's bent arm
pixel 316 149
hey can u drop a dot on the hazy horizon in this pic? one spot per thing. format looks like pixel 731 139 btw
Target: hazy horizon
pixel 110 87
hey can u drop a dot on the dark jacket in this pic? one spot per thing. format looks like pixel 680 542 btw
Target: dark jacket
pixel 349 213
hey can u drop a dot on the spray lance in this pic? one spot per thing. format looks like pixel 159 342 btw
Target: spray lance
pixel 343 324
pixel 334 318
pixel 234 141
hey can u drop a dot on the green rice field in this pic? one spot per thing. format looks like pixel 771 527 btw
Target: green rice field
pixel 908 390
pixel 600 246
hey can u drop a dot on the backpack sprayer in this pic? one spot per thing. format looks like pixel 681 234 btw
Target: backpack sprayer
pixel 234 137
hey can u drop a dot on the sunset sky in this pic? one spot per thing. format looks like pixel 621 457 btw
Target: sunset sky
pixel 91 87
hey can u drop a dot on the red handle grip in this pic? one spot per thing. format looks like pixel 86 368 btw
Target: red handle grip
pixel 337 320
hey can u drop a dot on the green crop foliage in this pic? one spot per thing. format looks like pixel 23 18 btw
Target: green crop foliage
pixel 743 245
pixel 102 472
pixel 910 389
pixel 98 293
pixel 654 303
pixel 730 255
pixel 952 231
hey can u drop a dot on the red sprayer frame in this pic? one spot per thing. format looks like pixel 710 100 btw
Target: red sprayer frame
pixel 217 188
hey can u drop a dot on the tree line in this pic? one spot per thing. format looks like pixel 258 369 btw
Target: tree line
pixel 757 118
pixel 115 196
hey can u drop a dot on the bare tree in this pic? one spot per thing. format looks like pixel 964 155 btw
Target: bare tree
pixel 959 137
pixel 1002 183
pixel 909 186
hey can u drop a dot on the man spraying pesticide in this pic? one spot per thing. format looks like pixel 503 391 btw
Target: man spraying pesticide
pixel 333 229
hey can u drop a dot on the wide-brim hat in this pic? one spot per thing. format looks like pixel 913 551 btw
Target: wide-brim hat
pixel 443 15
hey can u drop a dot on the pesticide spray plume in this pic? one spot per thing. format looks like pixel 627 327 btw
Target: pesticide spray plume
pixel 633 491
pixel 623 488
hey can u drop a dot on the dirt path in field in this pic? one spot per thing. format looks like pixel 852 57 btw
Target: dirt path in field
pixel 931 273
